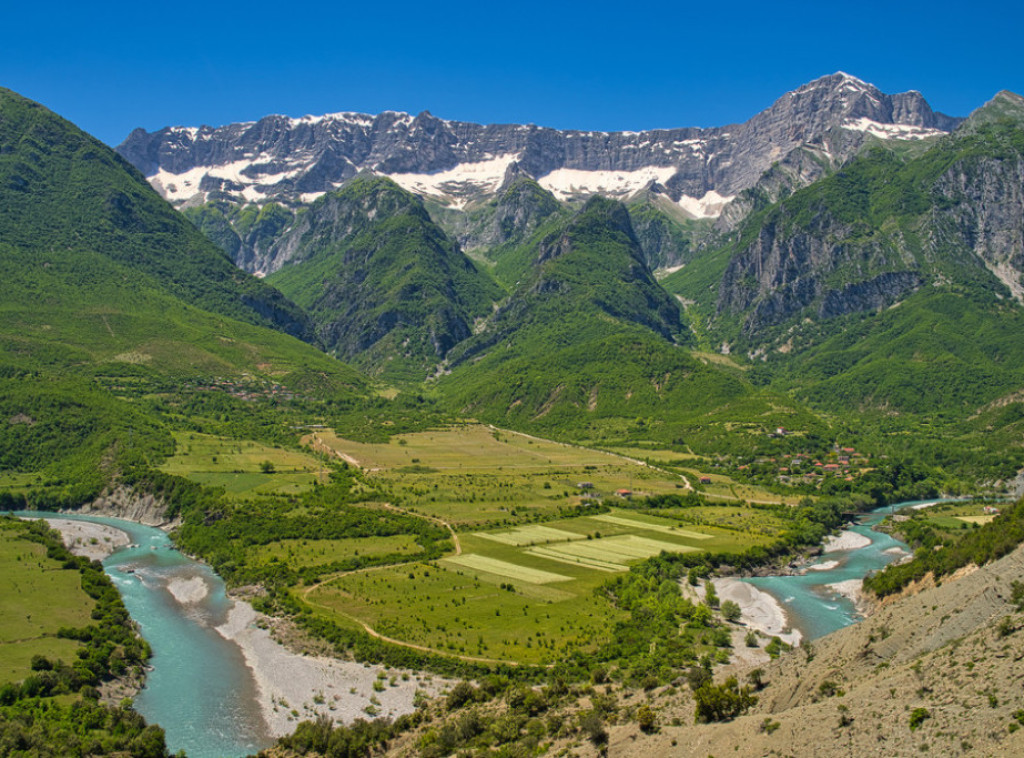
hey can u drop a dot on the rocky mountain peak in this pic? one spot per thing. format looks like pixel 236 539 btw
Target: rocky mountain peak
pixel 294 161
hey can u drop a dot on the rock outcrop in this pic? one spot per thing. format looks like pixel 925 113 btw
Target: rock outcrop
pixel 128 504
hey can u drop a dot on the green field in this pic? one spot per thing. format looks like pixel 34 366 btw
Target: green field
pixel 523 594
pixel 474 475
pixel 238 465
pixel 28 626
pixel 301 553
pixel 954 516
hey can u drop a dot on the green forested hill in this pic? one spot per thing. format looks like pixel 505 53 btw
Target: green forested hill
pixel 110 303
pixel 384 285
pixel 64 194
pixel 893 284
pixel 590 346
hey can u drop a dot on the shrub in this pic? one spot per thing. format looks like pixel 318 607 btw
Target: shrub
pixel 461 693
pixel 646 719
pixel 722 702
pixel 731 611
pixel 917 717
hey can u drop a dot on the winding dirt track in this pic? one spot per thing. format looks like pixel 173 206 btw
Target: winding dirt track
pixel 373 632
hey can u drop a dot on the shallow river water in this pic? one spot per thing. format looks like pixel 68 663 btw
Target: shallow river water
pixel 199 689
pixel 815 608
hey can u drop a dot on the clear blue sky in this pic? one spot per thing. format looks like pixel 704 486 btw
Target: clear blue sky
pixel 110 67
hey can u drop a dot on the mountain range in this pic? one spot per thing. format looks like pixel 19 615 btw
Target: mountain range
pixel 693 172
pixel 851 230
pixel 845 268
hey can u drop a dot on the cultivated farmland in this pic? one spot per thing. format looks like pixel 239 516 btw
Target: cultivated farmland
pixel 522 594
pixel 473 475
pixel 241 467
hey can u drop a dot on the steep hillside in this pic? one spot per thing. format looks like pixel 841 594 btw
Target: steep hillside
pixel 112 305
pixel 589 344
pixel 911 259
pixel 937 673
pixel 384 285
pixel 64 193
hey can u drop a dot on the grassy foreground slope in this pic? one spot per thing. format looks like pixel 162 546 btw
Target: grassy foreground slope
pixel 55 655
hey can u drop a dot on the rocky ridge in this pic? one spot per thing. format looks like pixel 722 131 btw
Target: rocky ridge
pixel 296 160
pixel 867 236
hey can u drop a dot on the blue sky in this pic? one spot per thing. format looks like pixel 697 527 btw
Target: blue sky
pixel 110 67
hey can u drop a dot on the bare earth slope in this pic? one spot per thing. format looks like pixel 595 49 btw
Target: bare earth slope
pixel 946 650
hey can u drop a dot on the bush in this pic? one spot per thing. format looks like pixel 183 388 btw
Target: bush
pixel 731 611
pixel 593 727
pixel 646 719
pixel 461 693
pixel 917 717
pixel 722 702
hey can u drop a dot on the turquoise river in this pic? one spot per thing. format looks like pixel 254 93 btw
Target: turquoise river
pixel 199 689
pixel 204 696
pixel 810 602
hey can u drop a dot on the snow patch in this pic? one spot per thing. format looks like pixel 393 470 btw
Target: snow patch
pixel 709 206
pixel 191 131
pixel 345 117
pixel 566 183
pixel 891 131
pixel 183 186
pixel 460 183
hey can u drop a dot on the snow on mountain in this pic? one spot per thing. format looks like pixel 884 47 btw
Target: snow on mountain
pixel 570 183
pixel 891 131
pixel 296 160
pixel 461 182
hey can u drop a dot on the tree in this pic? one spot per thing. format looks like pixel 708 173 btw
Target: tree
pixel 267 467
pixel 731 611
pixel 710 595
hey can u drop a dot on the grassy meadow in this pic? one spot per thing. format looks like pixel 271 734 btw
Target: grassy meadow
pixel 242 467
pixel 27 626
pixel 473 475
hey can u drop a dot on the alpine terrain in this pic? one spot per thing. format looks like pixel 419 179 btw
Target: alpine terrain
pixel 502 437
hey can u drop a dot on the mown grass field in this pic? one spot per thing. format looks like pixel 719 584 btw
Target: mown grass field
pixel 38 598
pixel 238 465
pixel 472 475
pixel 522 594
pixel 302 553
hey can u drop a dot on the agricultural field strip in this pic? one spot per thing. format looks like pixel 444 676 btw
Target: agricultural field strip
pixel 530 535
pixel 474 448
pixel 473 561
pixel 578 561
pixel 610 519
pixel 627 547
